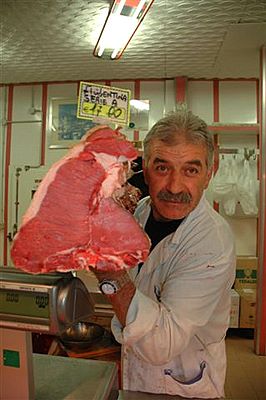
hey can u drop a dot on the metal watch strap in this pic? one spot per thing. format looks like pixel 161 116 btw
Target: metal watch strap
pixel 119 281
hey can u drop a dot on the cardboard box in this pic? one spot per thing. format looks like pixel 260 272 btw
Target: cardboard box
pixel 234 312
pixel 246 273
pixel 247 307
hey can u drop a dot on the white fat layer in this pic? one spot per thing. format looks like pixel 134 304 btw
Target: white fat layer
pixel 106 160
pixel 47 180
pixel 113 181
pixel 115 175
pixel 122 159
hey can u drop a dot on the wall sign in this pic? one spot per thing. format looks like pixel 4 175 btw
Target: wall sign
pixel 65 129
pixel 106 103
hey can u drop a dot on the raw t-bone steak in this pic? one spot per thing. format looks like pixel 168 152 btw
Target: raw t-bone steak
pixel 73 222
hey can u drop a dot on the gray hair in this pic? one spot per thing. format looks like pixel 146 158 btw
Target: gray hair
pixel 180 124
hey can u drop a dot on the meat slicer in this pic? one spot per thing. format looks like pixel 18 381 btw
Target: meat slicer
pixel 45 304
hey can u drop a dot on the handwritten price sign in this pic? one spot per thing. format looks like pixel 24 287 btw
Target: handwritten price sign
pixel 103 102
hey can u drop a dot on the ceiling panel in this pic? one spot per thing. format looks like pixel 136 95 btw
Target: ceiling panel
pixel 53 40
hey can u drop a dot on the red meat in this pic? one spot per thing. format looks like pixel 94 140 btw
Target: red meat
pixel 73 221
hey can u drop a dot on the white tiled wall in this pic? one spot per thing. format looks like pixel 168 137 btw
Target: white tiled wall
pixel 200 99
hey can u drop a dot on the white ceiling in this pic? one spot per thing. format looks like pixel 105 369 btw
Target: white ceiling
pixel 53 40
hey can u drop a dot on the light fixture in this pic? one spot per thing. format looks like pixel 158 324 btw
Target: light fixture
pixel 121 23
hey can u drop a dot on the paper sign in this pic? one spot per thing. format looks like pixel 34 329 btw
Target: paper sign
pixel 103 102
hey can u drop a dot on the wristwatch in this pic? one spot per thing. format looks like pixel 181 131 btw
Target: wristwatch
pixel 112 286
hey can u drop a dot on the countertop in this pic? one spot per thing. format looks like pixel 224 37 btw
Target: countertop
pixel 128 395
pixel 63 378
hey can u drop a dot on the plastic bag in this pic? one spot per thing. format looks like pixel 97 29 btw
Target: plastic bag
pixel 224 185
pixel 247 188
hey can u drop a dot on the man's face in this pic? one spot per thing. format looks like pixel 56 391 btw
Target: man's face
pixel 177 176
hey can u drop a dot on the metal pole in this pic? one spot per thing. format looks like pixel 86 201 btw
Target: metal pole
pixel 260 332
pixel 22 122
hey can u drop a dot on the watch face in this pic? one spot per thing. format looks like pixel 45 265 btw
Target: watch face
pixel 108 288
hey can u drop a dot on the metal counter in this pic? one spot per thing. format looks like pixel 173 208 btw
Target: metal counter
pixel 58 378
pixel 128 395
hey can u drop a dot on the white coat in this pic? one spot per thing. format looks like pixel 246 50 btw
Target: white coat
pixel 174 338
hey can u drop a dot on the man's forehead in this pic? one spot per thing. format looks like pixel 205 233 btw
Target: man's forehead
pixel 158 147
pixel 194 161
pixel 195 153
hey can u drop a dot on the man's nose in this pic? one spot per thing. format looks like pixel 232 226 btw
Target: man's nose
pixel 175 183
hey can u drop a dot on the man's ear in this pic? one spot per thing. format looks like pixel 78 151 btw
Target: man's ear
pixel 144 170
pixel 208 178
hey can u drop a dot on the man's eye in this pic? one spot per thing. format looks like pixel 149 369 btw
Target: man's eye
pixel 161 168
pixel 192 171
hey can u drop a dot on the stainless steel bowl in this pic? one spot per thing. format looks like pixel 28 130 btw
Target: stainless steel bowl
pixel 81 336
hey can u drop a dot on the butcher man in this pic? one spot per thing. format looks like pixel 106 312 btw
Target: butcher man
pixel 172 312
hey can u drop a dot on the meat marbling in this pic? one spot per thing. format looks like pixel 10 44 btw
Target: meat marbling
pixel 73 222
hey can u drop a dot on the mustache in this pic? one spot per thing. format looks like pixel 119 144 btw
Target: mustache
pixel 181 197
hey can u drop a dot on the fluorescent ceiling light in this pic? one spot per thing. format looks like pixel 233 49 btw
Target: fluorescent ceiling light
pixel 122 22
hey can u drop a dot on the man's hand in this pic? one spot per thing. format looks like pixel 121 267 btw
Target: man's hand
pixel 122 299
